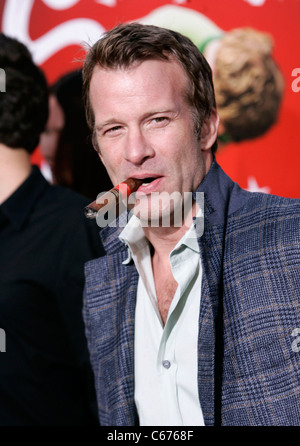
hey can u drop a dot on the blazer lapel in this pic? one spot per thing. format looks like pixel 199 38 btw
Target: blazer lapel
pixel 111 290
pixel 210 337
pixel 222 197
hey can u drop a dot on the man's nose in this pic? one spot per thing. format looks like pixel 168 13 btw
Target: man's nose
pixel 138 147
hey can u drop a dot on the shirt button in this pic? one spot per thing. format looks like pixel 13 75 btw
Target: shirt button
pixel 166 364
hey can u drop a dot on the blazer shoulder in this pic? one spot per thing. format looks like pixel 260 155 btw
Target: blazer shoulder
pixel 268 204
pixel 263 215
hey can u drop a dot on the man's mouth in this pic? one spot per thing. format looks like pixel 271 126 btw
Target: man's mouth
pixel 149 184
pixel 148 180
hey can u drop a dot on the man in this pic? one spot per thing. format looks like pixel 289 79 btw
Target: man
pixel 184 326
pixel 45 374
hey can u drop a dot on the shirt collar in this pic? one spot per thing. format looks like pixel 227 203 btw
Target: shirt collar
pixel 18 206
pixel 189 238
pixel 134 238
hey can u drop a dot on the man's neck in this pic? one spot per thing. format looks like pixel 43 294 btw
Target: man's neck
pixel 15 167
pixel 164 239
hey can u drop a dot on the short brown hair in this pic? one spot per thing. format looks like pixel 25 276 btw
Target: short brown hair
pixel 248 83
pixel 127 44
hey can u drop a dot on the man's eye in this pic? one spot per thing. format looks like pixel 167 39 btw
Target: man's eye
pixel 113 129
pixel 160 119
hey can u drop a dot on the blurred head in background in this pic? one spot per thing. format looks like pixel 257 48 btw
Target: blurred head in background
pixel 24 105
pixel 248 84
pixel 66 144
pixel 247 80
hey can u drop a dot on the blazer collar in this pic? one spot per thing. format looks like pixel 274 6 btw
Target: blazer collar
pixel 222 196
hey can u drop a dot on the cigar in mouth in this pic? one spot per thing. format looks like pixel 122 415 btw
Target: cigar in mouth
pixel 112 198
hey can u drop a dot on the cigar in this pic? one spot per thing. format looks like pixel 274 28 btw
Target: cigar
pixel 112 198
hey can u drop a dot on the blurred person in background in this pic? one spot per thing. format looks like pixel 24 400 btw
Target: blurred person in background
pixel 65 143
pixel 45 373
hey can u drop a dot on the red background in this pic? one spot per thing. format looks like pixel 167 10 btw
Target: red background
pixel 274 159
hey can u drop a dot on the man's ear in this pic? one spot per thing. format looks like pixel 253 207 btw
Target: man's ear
pixel 209 131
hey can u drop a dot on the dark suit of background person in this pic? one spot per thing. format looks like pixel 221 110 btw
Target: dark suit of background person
pixel 247 364
pixel 45 375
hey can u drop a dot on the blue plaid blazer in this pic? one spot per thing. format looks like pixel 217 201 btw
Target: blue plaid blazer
pixel 248 370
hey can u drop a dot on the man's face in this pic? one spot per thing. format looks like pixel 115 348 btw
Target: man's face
pixel 145 129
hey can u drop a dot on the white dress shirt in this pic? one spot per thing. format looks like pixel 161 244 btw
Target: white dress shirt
pixel 166 357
